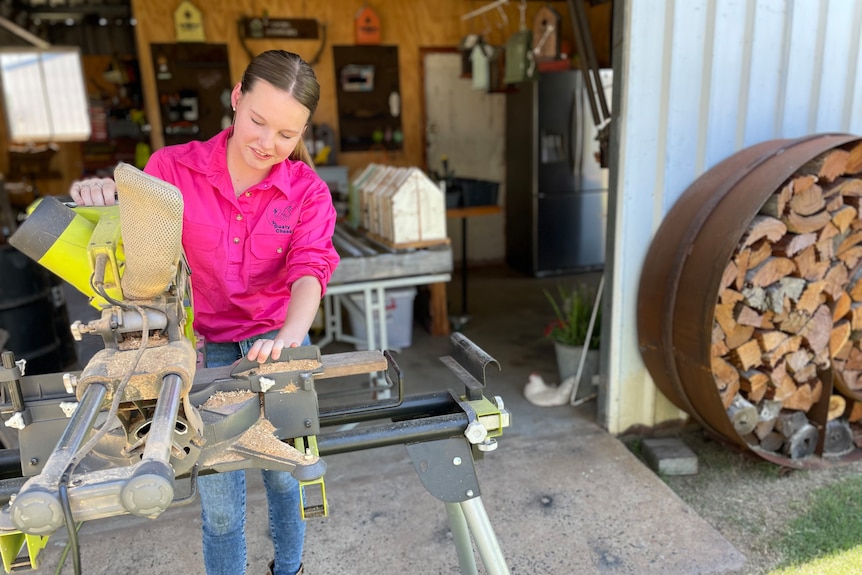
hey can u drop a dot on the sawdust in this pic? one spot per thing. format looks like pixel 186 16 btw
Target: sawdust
pixel 284 366
pixel 290 388
pixel 222 398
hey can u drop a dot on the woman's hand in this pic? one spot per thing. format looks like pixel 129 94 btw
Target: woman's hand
pixel 263 349
pixel 94 192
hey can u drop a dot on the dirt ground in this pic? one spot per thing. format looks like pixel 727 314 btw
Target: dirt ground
pixel 748 499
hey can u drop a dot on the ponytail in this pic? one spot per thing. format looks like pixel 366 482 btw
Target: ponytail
pixel 300 152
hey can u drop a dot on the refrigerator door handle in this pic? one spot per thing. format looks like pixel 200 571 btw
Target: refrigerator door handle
pixel 573 129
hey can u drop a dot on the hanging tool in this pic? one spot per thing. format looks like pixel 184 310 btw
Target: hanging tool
pixel 592 80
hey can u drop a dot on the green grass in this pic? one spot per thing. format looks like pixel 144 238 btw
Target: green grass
pixel 827 535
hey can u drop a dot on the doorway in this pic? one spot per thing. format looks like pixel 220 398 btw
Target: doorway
pixel 468 127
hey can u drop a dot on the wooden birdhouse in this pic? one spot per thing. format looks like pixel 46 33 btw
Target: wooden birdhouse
pixel 520 64
pixel 367 24
pixel 188 21
pixel 480 56
pixel 546 33
pixel 402 206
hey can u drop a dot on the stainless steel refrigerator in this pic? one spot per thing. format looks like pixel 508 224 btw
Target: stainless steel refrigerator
pixel 556 189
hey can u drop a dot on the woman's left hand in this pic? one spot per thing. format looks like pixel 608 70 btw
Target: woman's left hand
pixel 263 349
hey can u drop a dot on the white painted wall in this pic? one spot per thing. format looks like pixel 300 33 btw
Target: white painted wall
pixel 468 126
pixel 696 81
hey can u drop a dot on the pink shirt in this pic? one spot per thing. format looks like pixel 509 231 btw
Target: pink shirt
pixel 245 252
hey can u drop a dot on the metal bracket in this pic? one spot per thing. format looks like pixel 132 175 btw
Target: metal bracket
pixel 446 468
pixel 468 361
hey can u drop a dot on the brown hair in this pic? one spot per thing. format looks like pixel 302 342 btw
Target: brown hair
pixel 290 73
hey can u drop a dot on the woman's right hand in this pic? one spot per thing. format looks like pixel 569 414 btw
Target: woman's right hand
pixel 94 192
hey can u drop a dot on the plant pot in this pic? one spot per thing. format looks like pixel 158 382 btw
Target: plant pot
pixel 568 357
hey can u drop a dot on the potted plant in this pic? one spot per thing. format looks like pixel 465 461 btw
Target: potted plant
pixel 573 309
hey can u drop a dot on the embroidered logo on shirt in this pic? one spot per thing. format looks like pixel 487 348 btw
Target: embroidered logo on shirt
pixel 279 217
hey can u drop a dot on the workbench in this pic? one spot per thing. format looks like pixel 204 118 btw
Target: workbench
pixel 369 267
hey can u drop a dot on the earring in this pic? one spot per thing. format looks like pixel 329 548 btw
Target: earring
pixel 234 108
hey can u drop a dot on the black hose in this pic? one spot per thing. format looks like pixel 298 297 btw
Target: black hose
pixel 63 492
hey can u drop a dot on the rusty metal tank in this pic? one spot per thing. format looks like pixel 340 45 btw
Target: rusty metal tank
pixel 680 279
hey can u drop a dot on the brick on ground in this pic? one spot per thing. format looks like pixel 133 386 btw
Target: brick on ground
pixel 669 456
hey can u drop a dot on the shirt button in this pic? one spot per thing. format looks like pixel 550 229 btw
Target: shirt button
pixel 239 217
pixel 236 240
pixel 248 194
pixel 279 250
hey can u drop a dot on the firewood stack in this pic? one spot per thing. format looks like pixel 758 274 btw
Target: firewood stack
pixel 787 335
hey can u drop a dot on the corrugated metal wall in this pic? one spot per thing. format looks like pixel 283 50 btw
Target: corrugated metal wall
pixel 696 81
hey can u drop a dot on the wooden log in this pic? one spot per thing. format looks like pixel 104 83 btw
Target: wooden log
pixel 793 321
pixel 784 386
pixel 818 330
pixel 738 336
pixel 808 266
pixel 812 297
pixel 763 227
pixel 802 443
pixel 767 414
pixel 842 306
pixel 847 187
pixel 729 275
pixel 769 340
pixel 808 201
pixel 791 244
pixel 742 414
pixel 851 257
pixel 730 296
pixel 793 287
pixel 742 267
pixel 836 280
pixel 854 160
pixel 855 412
pixel 834 203
pixel 747 316
pixel 799 224
pixel 839 336
pixel 798 359
pixel 838 438
pixel 746 356
pixel 842 217
pixel 837 406
pixel 754 383
pixel 804 397
pixel 827 166
pixel 770 271
pixel 789 422
pixel 757 297
pixel 772 441
pixel 852 239
pixel 776 204
pixel 787 345
pixel 726 379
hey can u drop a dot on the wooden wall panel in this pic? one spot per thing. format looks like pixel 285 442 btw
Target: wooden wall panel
pixel 409 24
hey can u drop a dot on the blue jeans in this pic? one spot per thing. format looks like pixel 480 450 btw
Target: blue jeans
pixel 223 501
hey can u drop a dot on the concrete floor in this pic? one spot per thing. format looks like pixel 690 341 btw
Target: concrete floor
pixel 562 495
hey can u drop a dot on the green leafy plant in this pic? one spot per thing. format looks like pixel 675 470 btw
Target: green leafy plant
pixel 573 309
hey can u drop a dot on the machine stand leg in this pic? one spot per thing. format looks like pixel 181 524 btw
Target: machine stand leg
pixel 483 535
pixel 447 470
pixel 461 535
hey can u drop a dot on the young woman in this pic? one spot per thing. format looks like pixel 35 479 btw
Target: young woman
pixel 257 233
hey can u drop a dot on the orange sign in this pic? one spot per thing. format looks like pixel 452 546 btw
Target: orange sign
pixel 367 26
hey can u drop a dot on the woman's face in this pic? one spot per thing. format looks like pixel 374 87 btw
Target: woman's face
pixel 268 124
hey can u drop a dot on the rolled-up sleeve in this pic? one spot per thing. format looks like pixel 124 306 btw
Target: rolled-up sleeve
pixel 312 252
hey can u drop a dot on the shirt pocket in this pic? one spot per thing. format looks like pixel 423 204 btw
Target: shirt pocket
pixel 268 260
pixel 202 245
